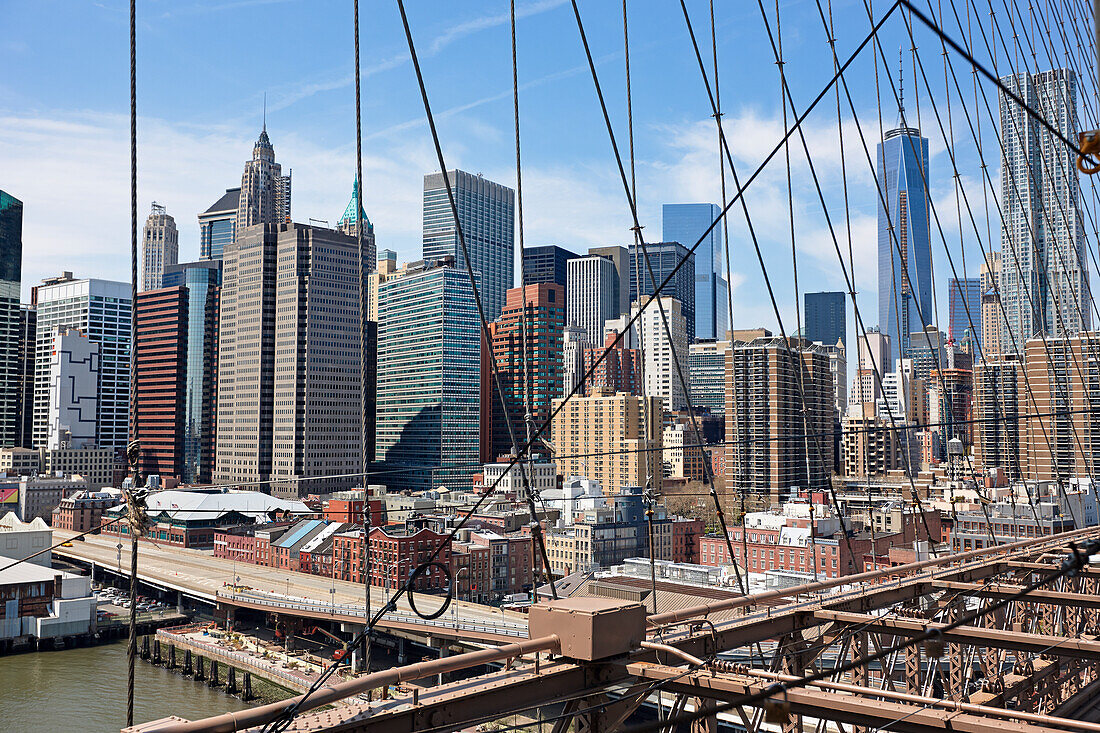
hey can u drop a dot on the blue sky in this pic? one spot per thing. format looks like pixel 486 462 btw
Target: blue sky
pixel 204 67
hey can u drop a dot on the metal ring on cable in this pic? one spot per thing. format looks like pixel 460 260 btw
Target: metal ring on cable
pixel 420 570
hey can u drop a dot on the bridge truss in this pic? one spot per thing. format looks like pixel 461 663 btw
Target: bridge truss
pixel 1027 661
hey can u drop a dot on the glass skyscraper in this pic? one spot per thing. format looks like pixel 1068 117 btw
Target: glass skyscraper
pixel 824 318
pixel 203 281
pixel 904 247
pixel 664 256
pixel 11 262
pixel 965 294
pixel 218 225
pixel 429 376
pixel 685 223
pixel 485 212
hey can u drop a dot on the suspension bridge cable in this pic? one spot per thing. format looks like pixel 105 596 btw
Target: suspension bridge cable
pixel 640 242
pixel 362 272
pixel 133 449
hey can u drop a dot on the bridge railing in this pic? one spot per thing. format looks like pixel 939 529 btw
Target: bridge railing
pixel 499 628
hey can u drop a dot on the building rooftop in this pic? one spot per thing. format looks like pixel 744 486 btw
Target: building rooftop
pixel 228 202
pixel 188 505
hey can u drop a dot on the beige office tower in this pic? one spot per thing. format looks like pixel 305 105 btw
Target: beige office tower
pixel 288 398
pixel 868 445
pixel 774 442
pixel 998 389
pixel 606 438
pixel 265 191
pixel 159 247
pixel 992 318
pixel 1062 425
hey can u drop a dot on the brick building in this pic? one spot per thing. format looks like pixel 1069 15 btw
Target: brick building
pixel 83 511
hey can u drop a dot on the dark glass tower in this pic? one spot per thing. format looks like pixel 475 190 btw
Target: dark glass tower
pixel 664 256
pixel 824 320
pixel 11 259
pixel 686 224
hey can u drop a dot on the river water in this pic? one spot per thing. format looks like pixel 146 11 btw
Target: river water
pixel 84 689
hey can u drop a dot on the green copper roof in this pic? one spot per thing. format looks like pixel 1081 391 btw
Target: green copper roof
pixel 349 212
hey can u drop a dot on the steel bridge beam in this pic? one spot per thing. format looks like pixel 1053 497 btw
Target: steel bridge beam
pixel 979 637
pixel 821 704
pixel 998 591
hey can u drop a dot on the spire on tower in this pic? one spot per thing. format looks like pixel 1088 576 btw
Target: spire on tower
pixel 901 89
pixel 265 112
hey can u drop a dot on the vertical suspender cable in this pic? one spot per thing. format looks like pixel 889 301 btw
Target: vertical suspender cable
pixel 646 417
pixel 362 349
pixel 133 451
pixel 528 417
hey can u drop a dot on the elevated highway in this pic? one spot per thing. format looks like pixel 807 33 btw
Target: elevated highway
pixel 200 576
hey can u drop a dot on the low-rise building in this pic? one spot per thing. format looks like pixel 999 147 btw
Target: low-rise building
pixel 347 506
pixel 96 465
pixel 1025 511
pixel 83 511
pixel 20 539
pixel 608 535
pixel 191 518
pixel 20 461
pixel 42 603
pixel 685 539
pixel 542 475
pixel 40 495
pixel 395 552
pixel 470 571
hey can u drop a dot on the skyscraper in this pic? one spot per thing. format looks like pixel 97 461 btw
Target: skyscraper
pixel 218 224
pixel 288 372
pixel 664 257
pixel 546 264
pixel 824 318
pixel 318 417
pixel 992 318
pixel 24 408
pixel 685 223
pixel 965 305
pixel 162 330
pixel 620 258
pixel 202 280
pixel 246 357
pixel 100 309
pixel 11 262
pixel 348 224
pixel 485 212
pixel 904 247
pixel 265 191
pixel 72 391
pixel 159 247
pixel 590 293
pixel 541 309
pixel 429 383
pixel 707 374
pixel 1044 281
pixel 660 353
pixel 774 440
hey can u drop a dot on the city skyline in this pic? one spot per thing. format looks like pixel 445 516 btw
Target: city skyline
pixel 188 155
